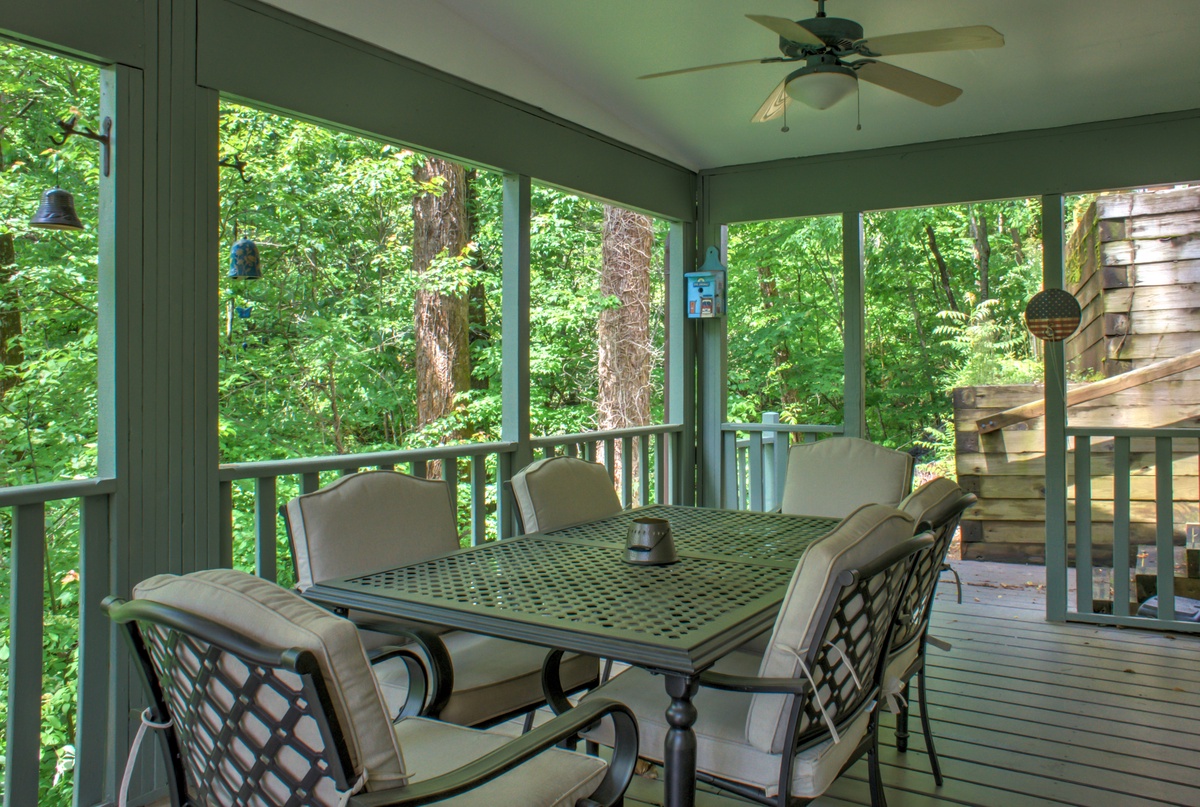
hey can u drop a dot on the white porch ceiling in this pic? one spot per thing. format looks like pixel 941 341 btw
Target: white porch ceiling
pixel 1064 62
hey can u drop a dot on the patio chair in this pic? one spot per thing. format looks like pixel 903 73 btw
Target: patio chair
pixel 264 698
pixel 937 506
pixel 781 726
pixel 558 491
pixel 835 476
pixel 377 520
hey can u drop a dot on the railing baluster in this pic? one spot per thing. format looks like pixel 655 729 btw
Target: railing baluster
pixel 610 460
pixel 418 468
pixel 743 455
pixel 349 471
pixel 478 499
pixel 626 470
pixel 91 735
pixel 505 517
pixel 310 482
pixel 266 562
pixel 547 452
pixel 1084 595
pixel 660 468
pixel 1120 562
pixel 644 470
pixel 450 474
pixel 572 449
pixel 1164 495
pixel 225 493
pixel 756 472
pixel 386 466
pixel 782 446
pixel 589 451
pixel 23 750
pixel 729 467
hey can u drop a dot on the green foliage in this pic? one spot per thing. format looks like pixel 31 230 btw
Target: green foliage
pixel 990 351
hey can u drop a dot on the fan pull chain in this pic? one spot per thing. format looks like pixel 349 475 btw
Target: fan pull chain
pixel 858 103
pixel 785 128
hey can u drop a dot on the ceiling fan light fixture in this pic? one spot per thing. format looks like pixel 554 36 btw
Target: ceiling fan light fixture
pixel 821 86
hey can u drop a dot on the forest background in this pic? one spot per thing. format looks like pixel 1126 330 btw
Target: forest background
pixel 376 324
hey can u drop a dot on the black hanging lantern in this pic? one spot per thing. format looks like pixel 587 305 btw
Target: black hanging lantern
pixel 243 260
pixel 56 212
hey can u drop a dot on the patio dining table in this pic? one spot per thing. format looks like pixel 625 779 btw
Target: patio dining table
pixel 571 589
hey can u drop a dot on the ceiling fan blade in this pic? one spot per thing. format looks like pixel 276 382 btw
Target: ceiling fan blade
pixel 916 86
pixel 969 38
pixel 773 107
pixel 709 67
pixel 787 29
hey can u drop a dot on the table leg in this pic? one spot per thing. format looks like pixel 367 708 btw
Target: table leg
pixel 679 748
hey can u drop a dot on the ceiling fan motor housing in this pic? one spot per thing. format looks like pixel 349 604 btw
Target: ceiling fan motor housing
pixel 839 35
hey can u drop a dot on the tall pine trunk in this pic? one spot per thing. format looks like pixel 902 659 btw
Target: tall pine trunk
pixel 625 355
pixel 11 355
pixel 440 232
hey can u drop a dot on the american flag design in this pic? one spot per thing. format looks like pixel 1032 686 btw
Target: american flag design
pixel 1052 315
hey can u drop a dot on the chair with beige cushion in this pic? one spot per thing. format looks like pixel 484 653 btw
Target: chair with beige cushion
pixel 781 726
pixel 377 520
pixel 265 698
pixel 835 476
pixel 937 505
pixel 559 491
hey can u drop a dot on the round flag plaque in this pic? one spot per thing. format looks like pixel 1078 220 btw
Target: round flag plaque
pixel 1052 315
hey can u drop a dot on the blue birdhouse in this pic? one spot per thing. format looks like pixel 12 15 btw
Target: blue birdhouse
pixel 243 260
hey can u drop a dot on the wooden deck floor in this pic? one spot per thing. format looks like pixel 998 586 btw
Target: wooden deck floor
pixel 1031 713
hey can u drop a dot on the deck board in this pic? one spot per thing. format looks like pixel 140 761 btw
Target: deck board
pixel 1028 713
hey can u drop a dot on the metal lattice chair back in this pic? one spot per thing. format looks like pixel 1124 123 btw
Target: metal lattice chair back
pixel 937 505
pixel 249 725
pixel 846 661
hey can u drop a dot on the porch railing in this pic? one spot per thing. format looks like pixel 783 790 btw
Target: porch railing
pixel 754 468
pixel 654 451
pixel 27 564
pixel 1120 574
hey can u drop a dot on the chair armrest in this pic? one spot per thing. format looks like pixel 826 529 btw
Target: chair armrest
pixel 438 673
pixel 418 678
pixel 489 766
pixel 751 683
pixel 552 687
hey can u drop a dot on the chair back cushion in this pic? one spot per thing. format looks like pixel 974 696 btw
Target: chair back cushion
pixel 835 476
pixel 276 617
pixel 862 537
pixel 937 505
pixel 369 521
pixel 559 491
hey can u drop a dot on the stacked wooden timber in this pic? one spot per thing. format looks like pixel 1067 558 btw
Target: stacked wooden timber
pixel 1133 263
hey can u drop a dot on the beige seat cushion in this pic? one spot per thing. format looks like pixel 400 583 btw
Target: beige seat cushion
pixel 554 778
pixel 721 746
pixel 932 502
pixel 492 677
pixel 863 536
pixel 835 476
pixel 559 491
pixel 369 521
pixel 280 618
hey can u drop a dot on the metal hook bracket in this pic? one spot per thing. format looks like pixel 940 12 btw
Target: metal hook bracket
pixel 104 138
pixel 237 164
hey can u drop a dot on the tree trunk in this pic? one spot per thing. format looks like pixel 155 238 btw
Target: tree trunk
pixel 782 355
pixel 978 228
pixel 440 318
pixel 11 354
pixel 625 355
pixel 943 270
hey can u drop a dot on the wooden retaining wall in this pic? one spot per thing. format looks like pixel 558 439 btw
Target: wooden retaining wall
pixel 1006 469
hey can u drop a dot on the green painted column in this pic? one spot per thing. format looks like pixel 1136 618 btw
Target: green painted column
pixel 854 283
pixel 514 372
pixel 681 359
pixel 1054 277
pixel 712 351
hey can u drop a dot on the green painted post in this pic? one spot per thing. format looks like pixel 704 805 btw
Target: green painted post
pixel 266 562
pixel 681 361
pixel 95 643
pixel 1055 375
pixel 514 372
pixel 854 333
pixel 23 748
pixel 711 372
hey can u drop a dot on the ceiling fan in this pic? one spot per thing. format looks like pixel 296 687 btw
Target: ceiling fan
pixel 823 43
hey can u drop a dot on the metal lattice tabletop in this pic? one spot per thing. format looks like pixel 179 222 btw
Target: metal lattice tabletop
pixel 729 533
